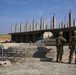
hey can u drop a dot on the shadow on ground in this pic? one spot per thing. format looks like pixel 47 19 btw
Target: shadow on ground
pixel 41 53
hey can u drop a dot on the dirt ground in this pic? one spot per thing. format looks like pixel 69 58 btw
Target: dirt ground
pixel 39 68
pixel 36 67
pixel 4 37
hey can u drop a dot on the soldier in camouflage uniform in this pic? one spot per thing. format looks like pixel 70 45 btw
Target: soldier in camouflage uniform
pixel 60 40
pixel 72 48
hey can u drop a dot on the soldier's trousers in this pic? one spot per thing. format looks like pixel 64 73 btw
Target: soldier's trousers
pixel 72 51
pixel 59 53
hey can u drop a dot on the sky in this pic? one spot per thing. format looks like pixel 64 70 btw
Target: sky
pixel 14 12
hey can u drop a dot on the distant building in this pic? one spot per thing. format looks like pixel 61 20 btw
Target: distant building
pixel 34 33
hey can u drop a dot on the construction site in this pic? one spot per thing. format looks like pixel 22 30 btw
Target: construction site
pixel 26 34
pixel 33 59
pixel 24 56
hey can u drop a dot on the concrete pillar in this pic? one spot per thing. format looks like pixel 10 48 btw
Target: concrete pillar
pixel 70 19
pixel 74 23
pixel 16 28
pixel 54 22
pixel 33 23
pixel 51 24
pixel 30 27
pixel 65 21
pixel 26 26
pixel 36 26
pixel 21 28
pixel 40 27
pixel 46 27
pixel 43 27
pixel 41 24
pixel 59 25
pixel 12 29
pixel 62 25
pixel 67 25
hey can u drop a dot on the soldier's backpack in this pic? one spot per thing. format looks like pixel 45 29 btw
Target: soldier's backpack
pixel 60 40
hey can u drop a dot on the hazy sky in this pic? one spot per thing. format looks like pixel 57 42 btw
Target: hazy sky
pixel 20 11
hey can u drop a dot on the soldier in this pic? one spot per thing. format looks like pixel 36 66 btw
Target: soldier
pixel 72 48
pixel 60 40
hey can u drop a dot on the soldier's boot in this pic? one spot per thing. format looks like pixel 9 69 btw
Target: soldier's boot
pixel 57 57
pixel 60 59
pixel 70 59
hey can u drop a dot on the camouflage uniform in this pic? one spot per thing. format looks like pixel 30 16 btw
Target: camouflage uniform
pixel 72 47
pixel 60 40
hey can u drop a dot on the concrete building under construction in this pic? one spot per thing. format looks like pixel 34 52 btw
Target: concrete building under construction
pixel 35 31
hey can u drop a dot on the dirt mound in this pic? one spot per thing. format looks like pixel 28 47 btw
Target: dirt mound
pixel 5 37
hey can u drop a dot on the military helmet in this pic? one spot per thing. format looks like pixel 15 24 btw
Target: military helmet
pixel 74 32
pixel 60 33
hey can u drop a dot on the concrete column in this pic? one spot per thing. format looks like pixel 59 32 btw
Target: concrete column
pixel 12 29
pixel 43 27
pixel 41 24
pixel 59 25
pixel 16 28
pixel 30 27
pixel 33 23
pixel 70 19
pixel 54 21
pixel 74 23
pixel 26 27
pixel 46 27
pixel 51 24
pixel 20 27
pixel 40 27
pixel 67 25
pixel 36 26
pixel 62 25
pixel 65 21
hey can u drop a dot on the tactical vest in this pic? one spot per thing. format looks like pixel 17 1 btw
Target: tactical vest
pixel 73 42
pixel 58 41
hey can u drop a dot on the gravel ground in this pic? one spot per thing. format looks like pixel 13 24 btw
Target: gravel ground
pixel 39 68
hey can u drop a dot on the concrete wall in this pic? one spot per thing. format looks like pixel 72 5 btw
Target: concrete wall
pixel 24 50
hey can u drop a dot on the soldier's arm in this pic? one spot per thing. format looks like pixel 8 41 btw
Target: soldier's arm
pixel 63 39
